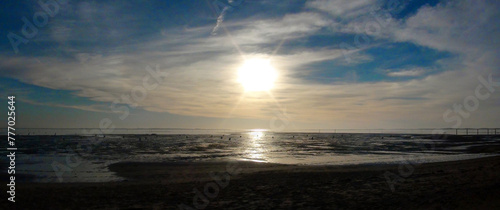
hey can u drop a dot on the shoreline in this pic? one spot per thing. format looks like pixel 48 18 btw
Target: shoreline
pixel 461 184
pixel 132 171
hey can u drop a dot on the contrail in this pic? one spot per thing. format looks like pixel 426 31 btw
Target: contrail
pixel 220 19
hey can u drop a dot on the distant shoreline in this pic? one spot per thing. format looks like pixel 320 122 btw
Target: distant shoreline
pixel 201 131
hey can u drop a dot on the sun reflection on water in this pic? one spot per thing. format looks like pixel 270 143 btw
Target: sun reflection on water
pixel 255 147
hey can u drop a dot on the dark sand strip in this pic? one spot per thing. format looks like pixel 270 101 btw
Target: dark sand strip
pixel 469 184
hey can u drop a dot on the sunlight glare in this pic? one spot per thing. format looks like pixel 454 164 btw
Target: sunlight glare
pixel 257 75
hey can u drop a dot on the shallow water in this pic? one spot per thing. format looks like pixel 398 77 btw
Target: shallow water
pixel 79 158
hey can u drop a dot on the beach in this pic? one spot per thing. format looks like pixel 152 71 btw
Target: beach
pixel 250 104
pixel 465 184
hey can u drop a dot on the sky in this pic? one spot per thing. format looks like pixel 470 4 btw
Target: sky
pixel 338 64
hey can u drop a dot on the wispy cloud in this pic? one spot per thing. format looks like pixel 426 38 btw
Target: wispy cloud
pixel 92 108
pixel 202 68
pixel 406 73
pixel 344 8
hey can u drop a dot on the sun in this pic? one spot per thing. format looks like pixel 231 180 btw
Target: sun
pixel 257 74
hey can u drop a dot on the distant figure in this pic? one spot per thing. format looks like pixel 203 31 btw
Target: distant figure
pixel 333 137
pixel 293 137
pixel 229 139
pixel 273 137
pixel 240 136
pixel 221 137
pixel 312 138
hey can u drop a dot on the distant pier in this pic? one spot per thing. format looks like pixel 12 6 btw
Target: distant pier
pixel 477 131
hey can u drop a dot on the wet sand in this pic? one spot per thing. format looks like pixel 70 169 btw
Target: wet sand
pixel 468 184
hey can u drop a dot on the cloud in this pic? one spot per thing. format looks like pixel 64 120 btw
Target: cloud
pixel 202 68
pixel 406 73
pixel 273 30
pixel 457 26
pixel 343 8
pixel 92 108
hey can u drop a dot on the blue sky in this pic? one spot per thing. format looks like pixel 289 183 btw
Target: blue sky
pixel 340 63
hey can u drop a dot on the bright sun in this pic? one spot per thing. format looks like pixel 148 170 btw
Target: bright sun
pixel 257 75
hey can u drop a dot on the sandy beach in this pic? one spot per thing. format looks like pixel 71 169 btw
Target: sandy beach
pixel 468 184
pixel 250 104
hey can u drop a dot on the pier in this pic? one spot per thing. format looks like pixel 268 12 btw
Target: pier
pixel 477 131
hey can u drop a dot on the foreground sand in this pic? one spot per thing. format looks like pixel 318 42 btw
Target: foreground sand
pixel 470 184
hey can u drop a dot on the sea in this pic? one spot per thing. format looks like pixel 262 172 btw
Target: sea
pixel 75 155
